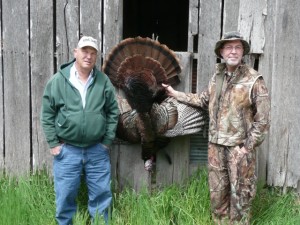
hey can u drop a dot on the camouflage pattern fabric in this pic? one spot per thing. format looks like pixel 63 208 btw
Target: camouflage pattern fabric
pixel 239 116
pixel 232 183
pixel 243 115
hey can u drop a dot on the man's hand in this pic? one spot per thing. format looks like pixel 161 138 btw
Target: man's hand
pixel 170 91
pixel 56 150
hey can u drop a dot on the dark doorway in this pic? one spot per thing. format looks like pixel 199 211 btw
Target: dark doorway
pixel 165 19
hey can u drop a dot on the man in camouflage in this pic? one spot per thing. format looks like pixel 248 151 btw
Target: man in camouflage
pixel 238 104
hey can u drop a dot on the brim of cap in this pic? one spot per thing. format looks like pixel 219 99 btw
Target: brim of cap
pixel 88 45
pixel 220 43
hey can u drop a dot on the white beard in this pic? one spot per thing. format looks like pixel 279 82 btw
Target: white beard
pixel 231 62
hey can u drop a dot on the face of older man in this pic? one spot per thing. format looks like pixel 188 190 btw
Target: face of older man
pixel 85 58
pixel 232 53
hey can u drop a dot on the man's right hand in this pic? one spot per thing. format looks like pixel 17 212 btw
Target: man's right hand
pixel 56 150
pixel 170 91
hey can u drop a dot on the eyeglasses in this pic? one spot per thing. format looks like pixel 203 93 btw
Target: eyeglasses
pixel 237 48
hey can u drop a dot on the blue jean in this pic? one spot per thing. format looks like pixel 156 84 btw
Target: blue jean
pixel 68 167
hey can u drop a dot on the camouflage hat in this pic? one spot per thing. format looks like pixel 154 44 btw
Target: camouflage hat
pixel 231 36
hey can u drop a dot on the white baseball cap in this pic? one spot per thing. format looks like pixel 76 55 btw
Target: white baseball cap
pixel 88 41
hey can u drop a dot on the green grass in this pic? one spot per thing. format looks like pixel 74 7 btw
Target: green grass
pixel 31 200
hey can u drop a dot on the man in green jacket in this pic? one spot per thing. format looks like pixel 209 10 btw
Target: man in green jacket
pixel 79 118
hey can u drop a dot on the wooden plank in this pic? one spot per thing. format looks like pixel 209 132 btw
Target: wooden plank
pixel 41 36
pixel 92 25
pixel 265 67
pixel 113 23
pixel 1 104
pixel 230 15
pixel 178 148
pixel 185 60
pixel 128 167
pixel 67 30
pixel 16 86
pixel 193 23
pixel 284 155
pixel 209 34
pixel 252 15
pixel 284 145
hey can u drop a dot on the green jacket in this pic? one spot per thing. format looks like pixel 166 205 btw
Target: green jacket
pixel 65 120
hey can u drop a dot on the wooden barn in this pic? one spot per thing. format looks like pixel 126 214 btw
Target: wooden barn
pixel 38 36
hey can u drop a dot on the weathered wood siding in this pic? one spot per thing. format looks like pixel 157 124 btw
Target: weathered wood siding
pixel 210 31
pixel 16 83
pixel 1 105
pixel 284 54
pixel 45 33
pixel 41 68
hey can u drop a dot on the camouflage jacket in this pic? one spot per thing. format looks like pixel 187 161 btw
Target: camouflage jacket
pixel 242 114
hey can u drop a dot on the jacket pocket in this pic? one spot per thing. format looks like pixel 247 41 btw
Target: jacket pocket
pixel 95 126
pixel 61 120
pixel 69 127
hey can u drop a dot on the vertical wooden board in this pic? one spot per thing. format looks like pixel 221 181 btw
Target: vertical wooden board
pixel 113 24
pixel 283 163
pixel 251 23
pixel 91 22
pixel 292 121
pixel 67 30
pixel 230 15
pixel 265 67
pixel 114 156
pixel 178 149
pixel 41 37
pixel 128 167
pixel 282 127
pixel 209 34
pixel 178 171
pixel 185 61
pixel 16 86
pixel 1 104
pixel 284 144
pixel 193 23
pixel 181 161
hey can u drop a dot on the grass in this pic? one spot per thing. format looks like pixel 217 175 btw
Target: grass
pixel 31 200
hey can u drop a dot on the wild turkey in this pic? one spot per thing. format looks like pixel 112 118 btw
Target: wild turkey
pixel 137 67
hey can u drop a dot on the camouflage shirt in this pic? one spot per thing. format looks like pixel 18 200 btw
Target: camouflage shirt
pixel 242 114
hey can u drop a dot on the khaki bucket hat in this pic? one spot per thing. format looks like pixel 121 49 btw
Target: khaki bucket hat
pixel 231 36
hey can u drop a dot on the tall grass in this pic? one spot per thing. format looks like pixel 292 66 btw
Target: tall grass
pixel 173 205
pixel 27 200
pixel 31 200
pixel 272 207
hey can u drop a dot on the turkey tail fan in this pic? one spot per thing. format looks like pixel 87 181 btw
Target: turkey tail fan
pixel 146 48
pixel 190 120
pixel 139 63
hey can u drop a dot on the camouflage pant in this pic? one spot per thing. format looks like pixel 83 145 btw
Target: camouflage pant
pixel 232 183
